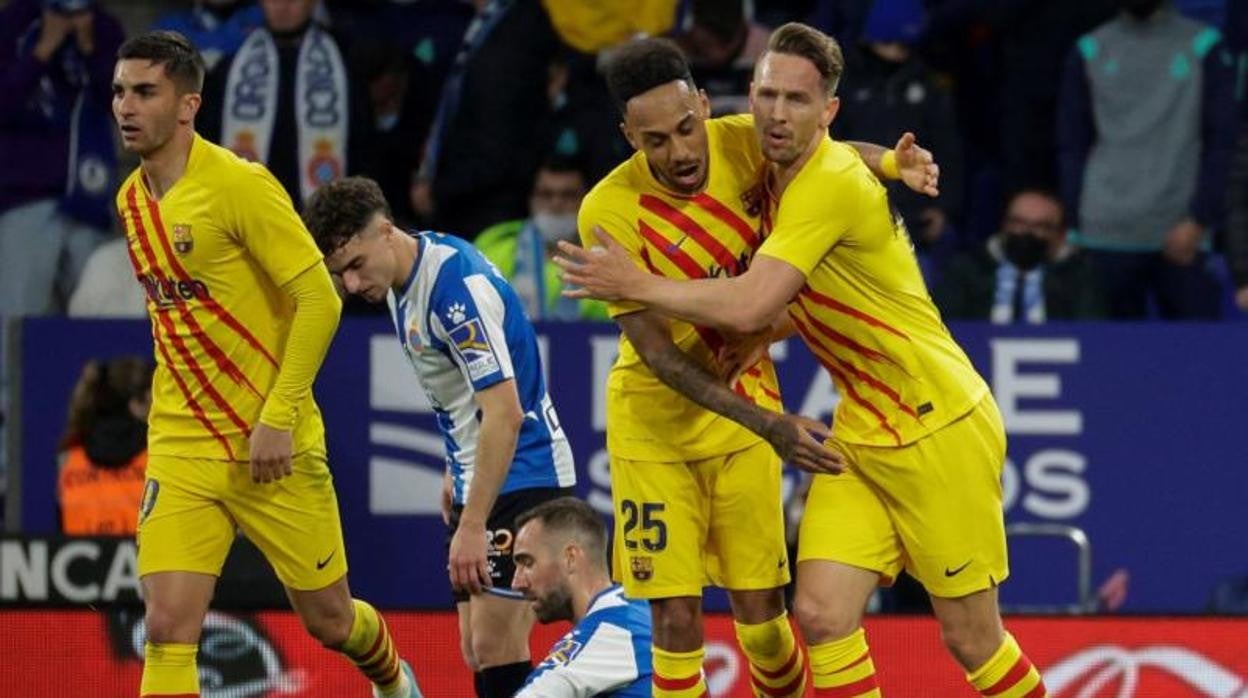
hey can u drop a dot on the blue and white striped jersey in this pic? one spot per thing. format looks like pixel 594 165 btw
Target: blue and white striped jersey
pixel 606 654
pixel 463 329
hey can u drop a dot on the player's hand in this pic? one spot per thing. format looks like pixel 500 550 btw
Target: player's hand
pixel 918 169
pixel 740 352
pixel 1183 242
pixel 270 453
pixel 604 271
pixel 84 31
pixel 470 571
pixel 448 496
pixel 54 28
pixel 799 441
pixel 421 194
pixel 1241 298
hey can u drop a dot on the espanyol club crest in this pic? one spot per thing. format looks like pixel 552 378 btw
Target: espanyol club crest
pixel 324 167
pixel 244 146
pixel 182 241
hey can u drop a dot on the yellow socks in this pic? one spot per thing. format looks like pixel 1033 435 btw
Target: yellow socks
pixel 169 670
pixel 1008 674
pixel 843 668
pixel 777 667
pixel 371 648
pixel 678 674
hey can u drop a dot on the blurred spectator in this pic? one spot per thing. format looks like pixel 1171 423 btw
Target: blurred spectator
pixel 841 19
pixel 584 122
pixel 722 43
pixel 260 104
pixel 886 91
pixel 216 27
pixel 1035 36
pixel 590 27
pixel 1146 131
pixel 481 153
pixel 107 287
pixel 395 141
pixel 426 36
pixel 56 143
pixel 104 449
pixel 522 249
pixel 1025 273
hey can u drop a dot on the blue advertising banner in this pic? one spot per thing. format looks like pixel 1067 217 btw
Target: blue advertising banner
pixel 1129 432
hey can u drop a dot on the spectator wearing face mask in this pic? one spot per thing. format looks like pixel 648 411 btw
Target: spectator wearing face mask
pixel 522 249
pixel 1026 273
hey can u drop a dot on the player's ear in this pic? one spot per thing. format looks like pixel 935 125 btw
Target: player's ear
pixel 628 136
pixel 831 107
pixel 704 104
pixel 188 107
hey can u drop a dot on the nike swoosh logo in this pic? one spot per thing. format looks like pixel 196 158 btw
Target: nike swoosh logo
pixel 950 573
pixel 320 564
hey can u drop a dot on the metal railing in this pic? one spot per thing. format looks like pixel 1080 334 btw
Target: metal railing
pixel 1086 602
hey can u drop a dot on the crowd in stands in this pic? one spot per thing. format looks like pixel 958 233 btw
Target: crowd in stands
pixel 1093 153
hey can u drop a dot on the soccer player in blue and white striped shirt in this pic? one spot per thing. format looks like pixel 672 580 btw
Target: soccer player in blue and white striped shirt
pixel 464 331
pixel 561 566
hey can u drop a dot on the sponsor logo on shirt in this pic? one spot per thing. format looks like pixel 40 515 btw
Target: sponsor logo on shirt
pixel 473 347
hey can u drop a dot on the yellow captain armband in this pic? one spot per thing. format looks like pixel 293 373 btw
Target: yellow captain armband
pixel 888 164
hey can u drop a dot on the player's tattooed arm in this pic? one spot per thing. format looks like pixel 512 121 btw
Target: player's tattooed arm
pixel 796 439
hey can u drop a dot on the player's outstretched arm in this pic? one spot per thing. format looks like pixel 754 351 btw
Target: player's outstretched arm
pixel 746 303
pixel 908 161
pixel 797 440
pixel 501 419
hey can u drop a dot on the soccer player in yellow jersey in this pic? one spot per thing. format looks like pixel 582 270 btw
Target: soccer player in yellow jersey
pixel 921 435
pixel 242 313
pixel 690 469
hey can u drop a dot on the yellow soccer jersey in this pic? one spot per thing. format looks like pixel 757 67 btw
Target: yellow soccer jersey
pixel 865 311
pixel 711 234
pixel 212 255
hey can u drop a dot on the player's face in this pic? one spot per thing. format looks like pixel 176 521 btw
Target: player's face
pixel 539 575
pixel 668 124
pixel 147 105
pixel 365 266
pixel 791 109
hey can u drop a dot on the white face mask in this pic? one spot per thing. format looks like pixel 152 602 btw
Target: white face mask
pixel 555 226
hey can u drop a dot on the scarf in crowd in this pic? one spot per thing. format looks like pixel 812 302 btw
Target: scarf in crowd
pixel 92 166
pixel 321 105
pixel 1019 295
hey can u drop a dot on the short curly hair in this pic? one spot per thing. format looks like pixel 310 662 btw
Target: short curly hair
pixel 642 65
pixel 341 210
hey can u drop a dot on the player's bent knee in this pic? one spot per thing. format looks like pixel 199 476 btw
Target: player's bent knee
pixel 677 622
pixel 821 621
pixel 470 659
pixel 497 649
pixel 167 624
pixel 970 644
pixel 331 631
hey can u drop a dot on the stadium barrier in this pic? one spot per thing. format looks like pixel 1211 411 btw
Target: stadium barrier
pixel 1119 430
pixel 93 653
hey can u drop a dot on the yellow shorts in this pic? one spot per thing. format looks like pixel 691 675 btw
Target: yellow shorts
pixel 681 526
pixel 932 507
pixel 192 506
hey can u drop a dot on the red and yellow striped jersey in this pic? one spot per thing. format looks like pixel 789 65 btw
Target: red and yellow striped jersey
pixel 865 311
pixel 713 233
pixel 212 255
